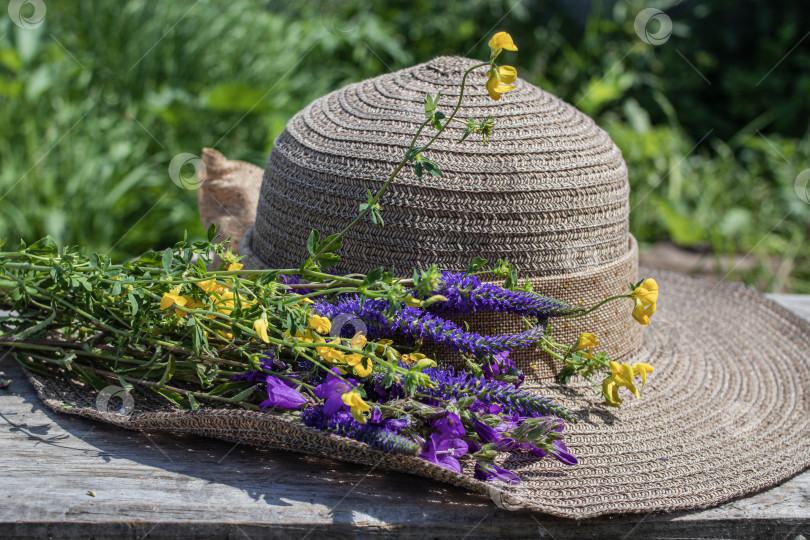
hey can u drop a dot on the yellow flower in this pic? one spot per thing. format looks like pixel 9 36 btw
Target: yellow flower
pixel 499 42
pixel 358 406
pixel 331 354
pixel 611 392
pixel 260 325
pixel 190 304
pixel 586 341
pixel 501 80
pixel 642 313
pixel 622 375
pixel 322 325
pixel 224 335
pixel 642 369
pixel 172 297
pixel 413 358
pixel 646 293
pixel 210 286
pixel 233 267
pixel 358 341
pixel 382 344
pixel 356 361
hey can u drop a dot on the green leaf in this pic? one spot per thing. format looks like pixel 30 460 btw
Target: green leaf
pixel 312 241
pixel 328 259
pixel 171 366
pixel 43 246
pixel 373 276
pixel 335 239
pixel 84 283
pixel 430 105
pixel 168 256
pixel 174 397
pixel 116 288
pixel 243 395
pixel 192 402
pixel 433 169
pixel 133 302
pixel 229 386
pixel 212 232
pixel 95 263
pixel 476 264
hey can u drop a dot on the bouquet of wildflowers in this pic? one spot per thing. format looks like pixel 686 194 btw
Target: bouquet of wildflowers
pixel 352 355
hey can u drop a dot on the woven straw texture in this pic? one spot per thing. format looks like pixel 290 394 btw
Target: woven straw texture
pixel 548 194
pixel 724 414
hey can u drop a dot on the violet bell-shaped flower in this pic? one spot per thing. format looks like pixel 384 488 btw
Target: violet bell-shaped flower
pixel 280 394
pixel 444 450
pixel 332 390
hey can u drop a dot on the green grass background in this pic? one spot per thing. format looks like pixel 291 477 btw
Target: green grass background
pixel 96 102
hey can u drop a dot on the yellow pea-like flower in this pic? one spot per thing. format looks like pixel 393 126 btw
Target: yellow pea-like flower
pixel 642 369
pixel 260 326
pixel 331 354
pixel 358 341
pixel 321 325
pixel 412 358
pixel 172 297
pixel 642 313
pixel 356 361
pixel 500 42
pixel 501 80
pixel 623 376
pixel 610 391
pixel 586 340
pixel 357 405
pixel 646 293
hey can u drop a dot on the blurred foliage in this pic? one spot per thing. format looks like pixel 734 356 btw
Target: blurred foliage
pixel 95 103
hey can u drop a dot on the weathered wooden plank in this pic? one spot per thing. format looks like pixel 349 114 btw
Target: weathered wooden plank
pixel 159 485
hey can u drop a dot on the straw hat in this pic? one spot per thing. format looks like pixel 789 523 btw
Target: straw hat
pixel 725 412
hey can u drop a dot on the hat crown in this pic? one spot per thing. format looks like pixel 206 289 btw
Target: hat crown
pixel 549 193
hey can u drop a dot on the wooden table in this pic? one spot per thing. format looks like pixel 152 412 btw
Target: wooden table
pixel 158 485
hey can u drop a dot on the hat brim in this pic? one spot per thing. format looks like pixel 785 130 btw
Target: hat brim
pixel 724 414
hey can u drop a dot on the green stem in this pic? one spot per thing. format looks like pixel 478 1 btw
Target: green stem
pixel 403 162
pixel 597 306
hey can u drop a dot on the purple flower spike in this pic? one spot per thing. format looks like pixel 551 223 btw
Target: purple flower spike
pixel 444 450
pixel 332 391
pixel 450 425
pixel 420 324
pixel 490 471
pixel 468 294
pixel 395 425
pixel 280 395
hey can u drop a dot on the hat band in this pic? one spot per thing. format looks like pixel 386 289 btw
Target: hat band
pixel 618 334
